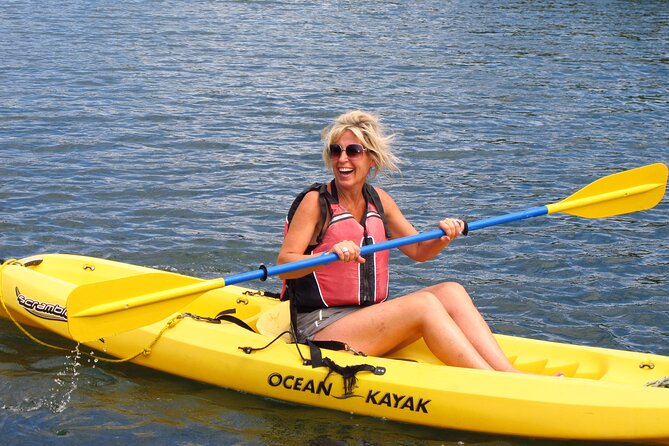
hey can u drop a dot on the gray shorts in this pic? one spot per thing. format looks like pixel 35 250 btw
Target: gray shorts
pixel 308 324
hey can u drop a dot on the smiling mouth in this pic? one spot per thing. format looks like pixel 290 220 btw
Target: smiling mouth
pixel 345 171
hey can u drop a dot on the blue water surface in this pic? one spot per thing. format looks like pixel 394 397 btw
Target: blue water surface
pixel 174 134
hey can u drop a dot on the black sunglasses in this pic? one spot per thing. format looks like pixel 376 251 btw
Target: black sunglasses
pixel 352 150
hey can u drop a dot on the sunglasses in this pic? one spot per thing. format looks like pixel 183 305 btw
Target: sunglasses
pixel 352 150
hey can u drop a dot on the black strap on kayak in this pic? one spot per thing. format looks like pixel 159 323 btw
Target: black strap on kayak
pixel 348 373
pixel 249 350
pixel 226 315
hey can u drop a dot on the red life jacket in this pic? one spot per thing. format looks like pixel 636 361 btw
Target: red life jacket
pixel 339 283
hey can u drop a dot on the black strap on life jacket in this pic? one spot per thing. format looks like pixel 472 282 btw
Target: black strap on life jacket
pixel 326 199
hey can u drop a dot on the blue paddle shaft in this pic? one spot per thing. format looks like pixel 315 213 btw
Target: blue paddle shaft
pixel 311 262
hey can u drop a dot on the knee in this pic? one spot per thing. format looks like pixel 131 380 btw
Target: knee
pixel 446 288
pixel 451 291
pixel 427 303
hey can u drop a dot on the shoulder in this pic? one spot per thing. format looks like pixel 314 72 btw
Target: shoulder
pixel 308 198
pixel 306 203
pixel 311 193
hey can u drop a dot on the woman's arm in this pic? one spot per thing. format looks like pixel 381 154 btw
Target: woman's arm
pixel 300 235
pixel 400 227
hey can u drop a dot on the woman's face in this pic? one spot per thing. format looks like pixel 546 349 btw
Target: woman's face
pixel 351 171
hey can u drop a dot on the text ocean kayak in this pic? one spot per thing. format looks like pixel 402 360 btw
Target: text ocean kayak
pixel 603 395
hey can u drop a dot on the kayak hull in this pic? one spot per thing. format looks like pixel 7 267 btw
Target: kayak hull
pixel 603 395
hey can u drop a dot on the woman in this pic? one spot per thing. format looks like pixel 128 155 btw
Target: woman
pixel 347 301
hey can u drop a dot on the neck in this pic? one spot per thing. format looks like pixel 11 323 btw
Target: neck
pixel 351 199
pixel 353 193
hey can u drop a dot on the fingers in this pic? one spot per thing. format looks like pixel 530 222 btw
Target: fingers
pixel 348 251
pixel 452 227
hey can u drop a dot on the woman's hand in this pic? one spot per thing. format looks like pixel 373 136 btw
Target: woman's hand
pixel 452 227
pixel 348 252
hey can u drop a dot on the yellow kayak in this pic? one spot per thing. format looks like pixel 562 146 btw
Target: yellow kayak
pixel 604 395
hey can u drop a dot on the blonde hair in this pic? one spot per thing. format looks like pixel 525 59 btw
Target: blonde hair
pixel 367 128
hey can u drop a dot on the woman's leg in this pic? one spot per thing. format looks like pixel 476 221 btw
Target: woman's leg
pixel 460 307
pixel 379 329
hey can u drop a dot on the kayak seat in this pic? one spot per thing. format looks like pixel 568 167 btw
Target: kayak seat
pixel 275 321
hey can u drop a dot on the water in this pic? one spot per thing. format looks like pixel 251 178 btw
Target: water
pixel 175 134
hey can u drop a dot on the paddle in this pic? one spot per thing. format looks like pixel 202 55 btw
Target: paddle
pixel 103 308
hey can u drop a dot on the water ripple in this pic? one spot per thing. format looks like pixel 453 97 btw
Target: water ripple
pixel 176 135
